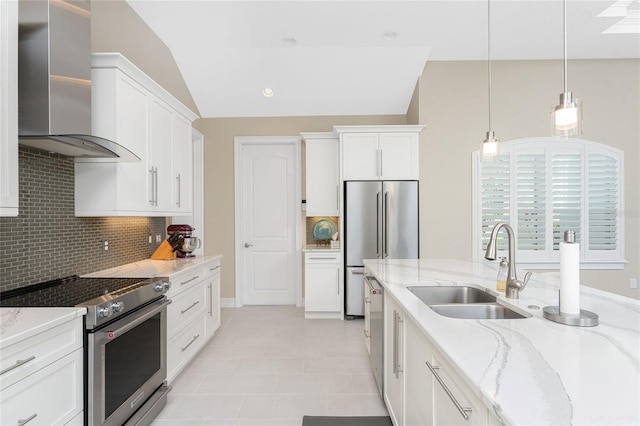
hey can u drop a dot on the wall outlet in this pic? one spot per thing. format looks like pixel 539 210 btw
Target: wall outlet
pixel 158 238
pixel 150 239
pixel 633 283
pixel 105 245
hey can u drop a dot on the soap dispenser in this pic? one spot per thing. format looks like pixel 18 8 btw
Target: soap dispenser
pixel 503 271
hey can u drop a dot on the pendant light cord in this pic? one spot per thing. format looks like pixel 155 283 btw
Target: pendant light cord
pixel 564 40
pixel 489 56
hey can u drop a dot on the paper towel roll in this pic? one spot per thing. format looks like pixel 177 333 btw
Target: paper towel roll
pixel 570 278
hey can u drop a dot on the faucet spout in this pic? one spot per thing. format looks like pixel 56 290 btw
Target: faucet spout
pixel 514 286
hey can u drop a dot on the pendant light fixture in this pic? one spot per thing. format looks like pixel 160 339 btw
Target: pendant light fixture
pixel 489 146
pixel 567 115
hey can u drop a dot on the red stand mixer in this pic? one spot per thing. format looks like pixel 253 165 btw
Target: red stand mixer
pixel 188 243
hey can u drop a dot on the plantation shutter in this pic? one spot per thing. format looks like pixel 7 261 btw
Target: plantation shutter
pixel 566 195
pixel 531 199
pixel 496 196
pixel 603 202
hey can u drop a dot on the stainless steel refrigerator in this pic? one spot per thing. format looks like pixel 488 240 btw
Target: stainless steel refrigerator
pixel 381 221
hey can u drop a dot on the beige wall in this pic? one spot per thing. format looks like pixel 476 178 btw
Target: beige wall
pixel 116 27
pixel 219 133
pixel 453 105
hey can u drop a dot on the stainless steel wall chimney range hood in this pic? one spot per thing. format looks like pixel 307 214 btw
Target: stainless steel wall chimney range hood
pixel 54 81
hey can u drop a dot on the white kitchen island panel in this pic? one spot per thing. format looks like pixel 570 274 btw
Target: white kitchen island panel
pixel 530 371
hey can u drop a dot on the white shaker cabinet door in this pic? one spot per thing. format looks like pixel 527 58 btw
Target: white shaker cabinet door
pixel 8 108
pixel 399 156
pixel 161 155
pixel 323 177
pixel 360 156
pixel 394 362
pixel 182 165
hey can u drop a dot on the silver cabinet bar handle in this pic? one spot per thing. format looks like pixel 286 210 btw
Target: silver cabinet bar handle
pixel 323 258
pixel 192 305
pixel 463 411
pixel 18 364
pixel 213 269
pixel 27 420
pixel 357 272
pixel 210 286
pixel 396 344
pixel 337 197
pixel 190 343
pixel 152 185
pixel 189 280
pixel 179 190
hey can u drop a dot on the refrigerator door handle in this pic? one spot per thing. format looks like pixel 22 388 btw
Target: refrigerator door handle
pixel 378 211
pixel 386 225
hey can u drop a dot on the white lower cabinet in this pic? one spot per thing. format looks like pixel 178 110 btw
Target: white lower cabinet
pixel 194 314
pixel 322 285
pixel 393 360
pixel 42 381
pixel 421 386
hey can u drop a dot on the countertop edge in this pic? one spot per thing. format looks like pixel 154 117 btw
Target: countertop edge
pixel 22 323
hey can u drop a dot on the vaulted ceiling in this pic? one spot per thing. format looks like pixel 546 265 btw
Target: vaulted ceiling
pixel 364 57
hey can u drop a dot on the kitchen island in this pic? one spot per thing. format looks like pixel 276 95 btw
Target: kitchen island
pixel 530 370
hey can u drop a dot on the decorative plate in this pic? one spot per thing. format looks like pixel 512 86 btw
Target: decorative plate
pixel 324 229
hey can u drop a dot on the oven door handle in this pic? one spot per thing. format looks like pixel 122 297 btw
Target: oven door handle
pixel 132 321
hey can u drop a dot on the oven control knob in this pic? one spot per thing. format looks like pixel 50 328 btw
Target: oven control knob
pixel 104 312
pixel 162 286
pixel 117 306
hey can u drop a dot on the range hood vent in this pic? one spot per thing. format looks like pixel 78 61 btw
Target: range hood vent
pixel 54 84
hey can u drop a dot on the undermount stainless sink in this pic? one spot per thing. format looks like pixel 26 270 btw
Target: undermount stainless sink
pixel 464 302
pixel 451 294
pixel 477 311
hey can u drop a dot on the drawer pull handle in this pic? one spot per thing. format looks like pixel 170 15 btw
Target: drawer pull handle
pixel 323 258
pixel 189 344
pixel 18 364
pixel 463 411
pixel 189 280
pixel 27 420
pixel 213 269
pixel 192 305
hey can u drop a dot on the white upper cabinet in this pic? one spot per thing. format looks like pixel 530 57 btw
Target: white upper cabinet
pixel 380 152
pixel 134 111
pixel 322 174
pixel 8 108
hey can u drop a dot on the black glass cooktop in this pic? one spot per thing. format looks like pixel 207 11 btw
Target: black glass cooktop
pixel 69 291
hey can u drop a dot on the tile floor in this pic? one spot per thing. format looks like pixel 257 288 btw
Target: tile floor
pixel 268 366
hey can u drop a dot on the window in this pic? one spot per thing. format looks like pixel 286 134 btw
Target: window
pixel 543 187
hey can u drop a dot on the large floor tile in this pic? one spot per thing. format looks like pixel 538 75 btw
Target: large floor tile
pixel 355 405
pixel 282 406
pixel 194 407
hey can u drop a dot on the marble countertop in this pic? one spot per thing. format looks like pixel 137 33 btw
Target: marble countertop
pixel 17 324
pixel 153 268
pixel 531 371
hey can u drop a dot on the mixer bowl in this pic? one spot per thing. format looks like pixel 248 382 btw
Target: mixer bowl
pixel 189 244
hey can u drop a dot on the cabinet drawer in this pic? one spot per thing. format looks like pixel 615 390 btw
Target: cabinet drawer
pixel 51 396
pixel 212 268
pixel 30 355
pixel 186 306
pixel 184 280
pixel 321 257
pixel 183 346
pixel 444 407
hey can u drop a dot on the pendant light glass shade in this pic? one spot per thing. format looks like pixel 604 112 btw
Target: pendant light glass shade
pixel 489 147
pixel 566 117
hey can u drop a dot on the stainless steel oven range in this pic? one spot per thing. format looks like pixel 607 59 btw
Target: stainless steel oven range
pixel 125 342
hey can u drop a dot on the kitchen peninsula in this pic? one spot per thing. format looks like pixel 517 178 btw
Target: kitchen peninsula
pixel 527 370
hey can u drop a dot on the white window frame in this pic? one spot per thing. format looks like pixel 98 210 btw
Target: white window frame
pixel 549 258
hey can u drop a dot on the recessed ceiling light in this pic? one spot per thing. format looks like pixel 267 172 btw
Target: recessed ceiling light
pixel 389 36
pixel 267 92
pixel 289 41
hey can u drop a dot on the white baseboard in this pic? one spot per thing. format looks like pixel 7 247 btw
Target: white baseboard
pixel 227 302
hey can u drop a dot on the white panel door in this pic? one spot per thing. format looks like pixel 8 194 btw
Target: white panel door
pixel 269 221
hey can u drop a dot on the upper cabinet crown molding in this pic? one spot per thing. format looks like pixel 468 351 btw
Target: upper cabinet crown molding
pixel 400 128
pixel 117 60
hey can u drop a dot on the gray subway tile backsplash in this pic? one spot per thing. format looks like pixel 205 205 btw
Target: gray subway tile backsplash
pixel 47 241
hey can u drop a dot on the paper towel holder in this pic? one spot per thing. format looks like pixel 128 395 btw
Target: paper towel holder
pixel 585 319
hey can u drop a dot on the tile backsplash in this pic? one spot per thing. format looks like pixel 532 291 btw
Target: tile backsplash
pixel 46 240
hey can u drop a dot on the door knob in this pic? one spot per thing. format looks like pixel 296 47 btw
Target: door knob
pixel 247 245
